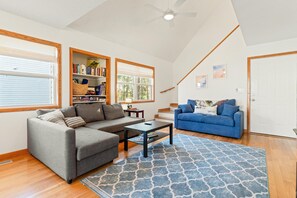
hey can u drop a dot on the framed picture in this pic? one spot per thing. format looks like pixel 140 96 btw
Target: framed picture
pixel 201 81
pixel 219 71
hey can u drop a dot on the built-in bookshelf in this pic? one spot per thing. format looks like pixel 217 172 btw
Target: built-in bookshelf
pixel 92 71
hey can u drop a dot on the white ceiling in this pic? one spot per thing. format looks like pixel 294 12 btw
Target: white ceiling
pixel 125 22
pixel 57 13
pixel 120 21
pixel 266 20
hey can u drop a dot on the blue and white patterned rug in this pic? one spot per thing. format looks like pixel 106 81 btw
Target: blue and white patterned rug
pixel 191 167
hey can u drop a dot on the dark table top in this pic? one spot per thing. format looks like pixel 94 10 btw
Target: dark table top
pixel 133 110
pixel 155 125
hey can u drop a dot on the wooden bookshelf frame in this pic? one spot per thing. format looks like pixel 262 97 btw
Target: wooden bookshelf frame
pixel 58 93
pixel 108 72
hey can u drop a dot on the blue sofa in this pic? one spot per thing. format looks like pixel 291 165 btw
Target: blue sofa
pixel 212 124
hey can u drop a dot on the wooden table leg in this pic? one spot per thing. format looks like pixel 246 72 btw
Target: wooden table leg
pixel 171 134
pixel 125 140
pixel 144 144
pixel 137 114
pixel 142 114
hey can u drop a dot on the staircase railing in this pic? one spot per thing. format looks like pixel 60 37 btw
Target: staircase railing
pixel 166 90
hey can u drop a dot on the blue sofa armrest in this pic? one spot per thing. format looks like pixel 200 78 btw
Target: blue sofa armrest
pixel 239 122
pixel 176 112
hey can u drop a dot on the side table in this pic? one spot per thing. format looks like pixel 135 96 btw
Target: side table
pixel 136 111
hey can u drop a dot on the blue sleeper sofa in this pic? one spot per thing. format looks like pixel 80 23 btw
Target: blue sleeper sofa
pixel 228 126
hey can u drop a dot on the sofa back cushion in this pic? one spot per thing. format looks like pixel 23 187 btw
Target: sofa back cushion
pixel 114 111
pixel 90 112
pixel 69 111
pixel 222 102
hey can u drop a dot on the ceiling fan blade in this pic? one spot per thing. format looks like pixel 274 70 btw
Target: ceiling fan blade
pixel 154 8
pixel 179 3
pixel 187 14
pixel 153 19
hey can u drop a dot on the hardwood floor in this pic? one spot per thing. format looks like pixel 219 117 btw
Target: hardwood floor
pixel 27 177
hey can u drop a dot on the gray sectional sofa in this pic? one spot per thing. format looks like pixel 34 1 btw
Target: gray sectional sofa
pixel 72 152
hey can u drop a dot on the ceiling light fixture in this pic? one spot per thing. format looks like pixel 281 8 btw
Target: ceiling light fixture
pixel 168 16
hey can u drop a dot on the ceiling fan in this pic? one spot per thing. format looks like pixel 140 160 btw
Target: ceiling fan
pixel 170 13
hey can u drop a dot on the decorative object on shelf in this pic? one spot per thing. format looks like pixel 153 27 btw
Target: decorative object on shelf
pixel 93 62
pixel 80 89
pixel 129 101
pixel 201 81
pixel 83 69
pixel 85 81
pixel 219 71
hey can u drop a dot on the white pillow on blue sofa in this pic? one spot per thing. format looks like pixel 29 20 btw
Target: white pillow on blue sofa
pixel 209 110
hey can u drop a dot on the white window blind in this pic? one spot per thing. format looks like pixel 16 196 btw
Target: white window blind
pixel 28 73
pixel 134 82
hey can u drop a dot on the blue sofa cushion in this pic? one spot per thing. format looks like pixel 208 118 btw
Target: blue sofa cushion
pixel 192 103
pixel 186 108
pixel 229 110
pixel 221 105
pixel 219 120
pixel 193 117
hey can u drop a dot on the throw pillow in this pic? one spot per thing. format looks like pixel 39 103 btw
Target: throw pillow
pixel 114 111
pixel 44 111
pixel 229 110
pixel 74 122
pixel 207 110
pixel 221 104
pixel 192 103
pixel 54 116
pixel 90 112
pixel 186 108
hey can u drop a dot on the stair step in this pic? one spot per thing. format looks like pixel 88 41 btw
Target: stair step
pixel 164 110
pixel 164 120
pixel 175 105
pixel 166 115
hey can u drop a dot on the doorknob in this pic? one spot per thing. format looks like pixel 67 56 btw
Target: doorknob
pixel 253 100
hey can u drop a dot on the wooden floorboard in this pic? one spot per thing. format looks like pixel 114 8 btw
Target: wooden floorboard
pixel 27 177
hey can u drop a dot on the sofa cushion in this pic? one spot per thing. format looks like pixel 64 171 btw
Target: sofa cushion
pixel 194 117
pixel 54 117
pixel 90 112
pixel 112 112
pixel 221 105
pixel 90 142
pixel 192 103
pixel 186 108
pixel 219 120
pixel 74 122
pixel 69 111
pixel 229 110
pixel 44 111
pixel 114 125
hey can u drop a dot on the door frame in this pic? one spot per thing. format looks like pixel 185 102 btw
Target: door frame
pixel 249 64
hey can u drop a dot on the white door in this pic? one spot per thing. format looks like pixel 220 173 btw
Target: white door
pixel 273 95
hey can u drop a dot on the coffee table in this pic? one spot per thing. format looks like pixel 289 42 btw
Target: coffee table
pixel 145 129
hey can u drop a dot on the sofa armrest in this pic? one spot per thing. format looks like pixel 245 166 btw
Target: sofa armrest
pixel 176 112
pixel 239 121
pixel 54 145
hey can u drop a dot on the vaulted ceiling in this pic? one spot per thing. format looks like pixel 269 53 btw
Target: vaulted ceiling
pixel 131 23
pixel 266 20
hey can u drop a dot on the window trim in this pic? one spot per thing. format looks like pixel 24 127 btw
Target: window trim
pixel 59 71
pixel 118 60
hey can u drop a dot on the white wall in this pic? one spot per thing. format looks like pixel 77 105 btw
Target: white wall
pixel 13 129
pixel 233 52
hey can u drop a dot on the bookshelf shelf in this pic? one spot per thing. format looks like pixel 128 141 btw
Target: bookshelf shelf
pixel 93 68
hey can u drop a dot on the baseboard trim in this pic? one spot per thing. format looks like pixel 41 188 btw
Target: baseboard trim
pixel 7 156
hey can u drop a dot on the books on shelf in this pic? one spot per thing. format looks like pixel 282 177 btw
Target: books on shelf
pixel 95 71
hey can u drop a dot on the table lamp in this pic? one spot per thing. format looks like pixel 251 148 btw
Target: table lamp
pixel 129 101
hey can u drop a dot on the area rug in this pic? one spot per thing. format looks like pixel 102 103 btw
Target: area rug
pixel 191 167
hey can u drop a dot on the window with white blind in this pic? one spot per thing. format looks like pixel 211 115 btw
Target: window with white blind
pixel 134 82
pixel 29 72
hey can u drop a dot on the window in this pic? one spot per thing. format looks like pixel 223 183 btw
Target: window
pixel 29 73
pixel 134 81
